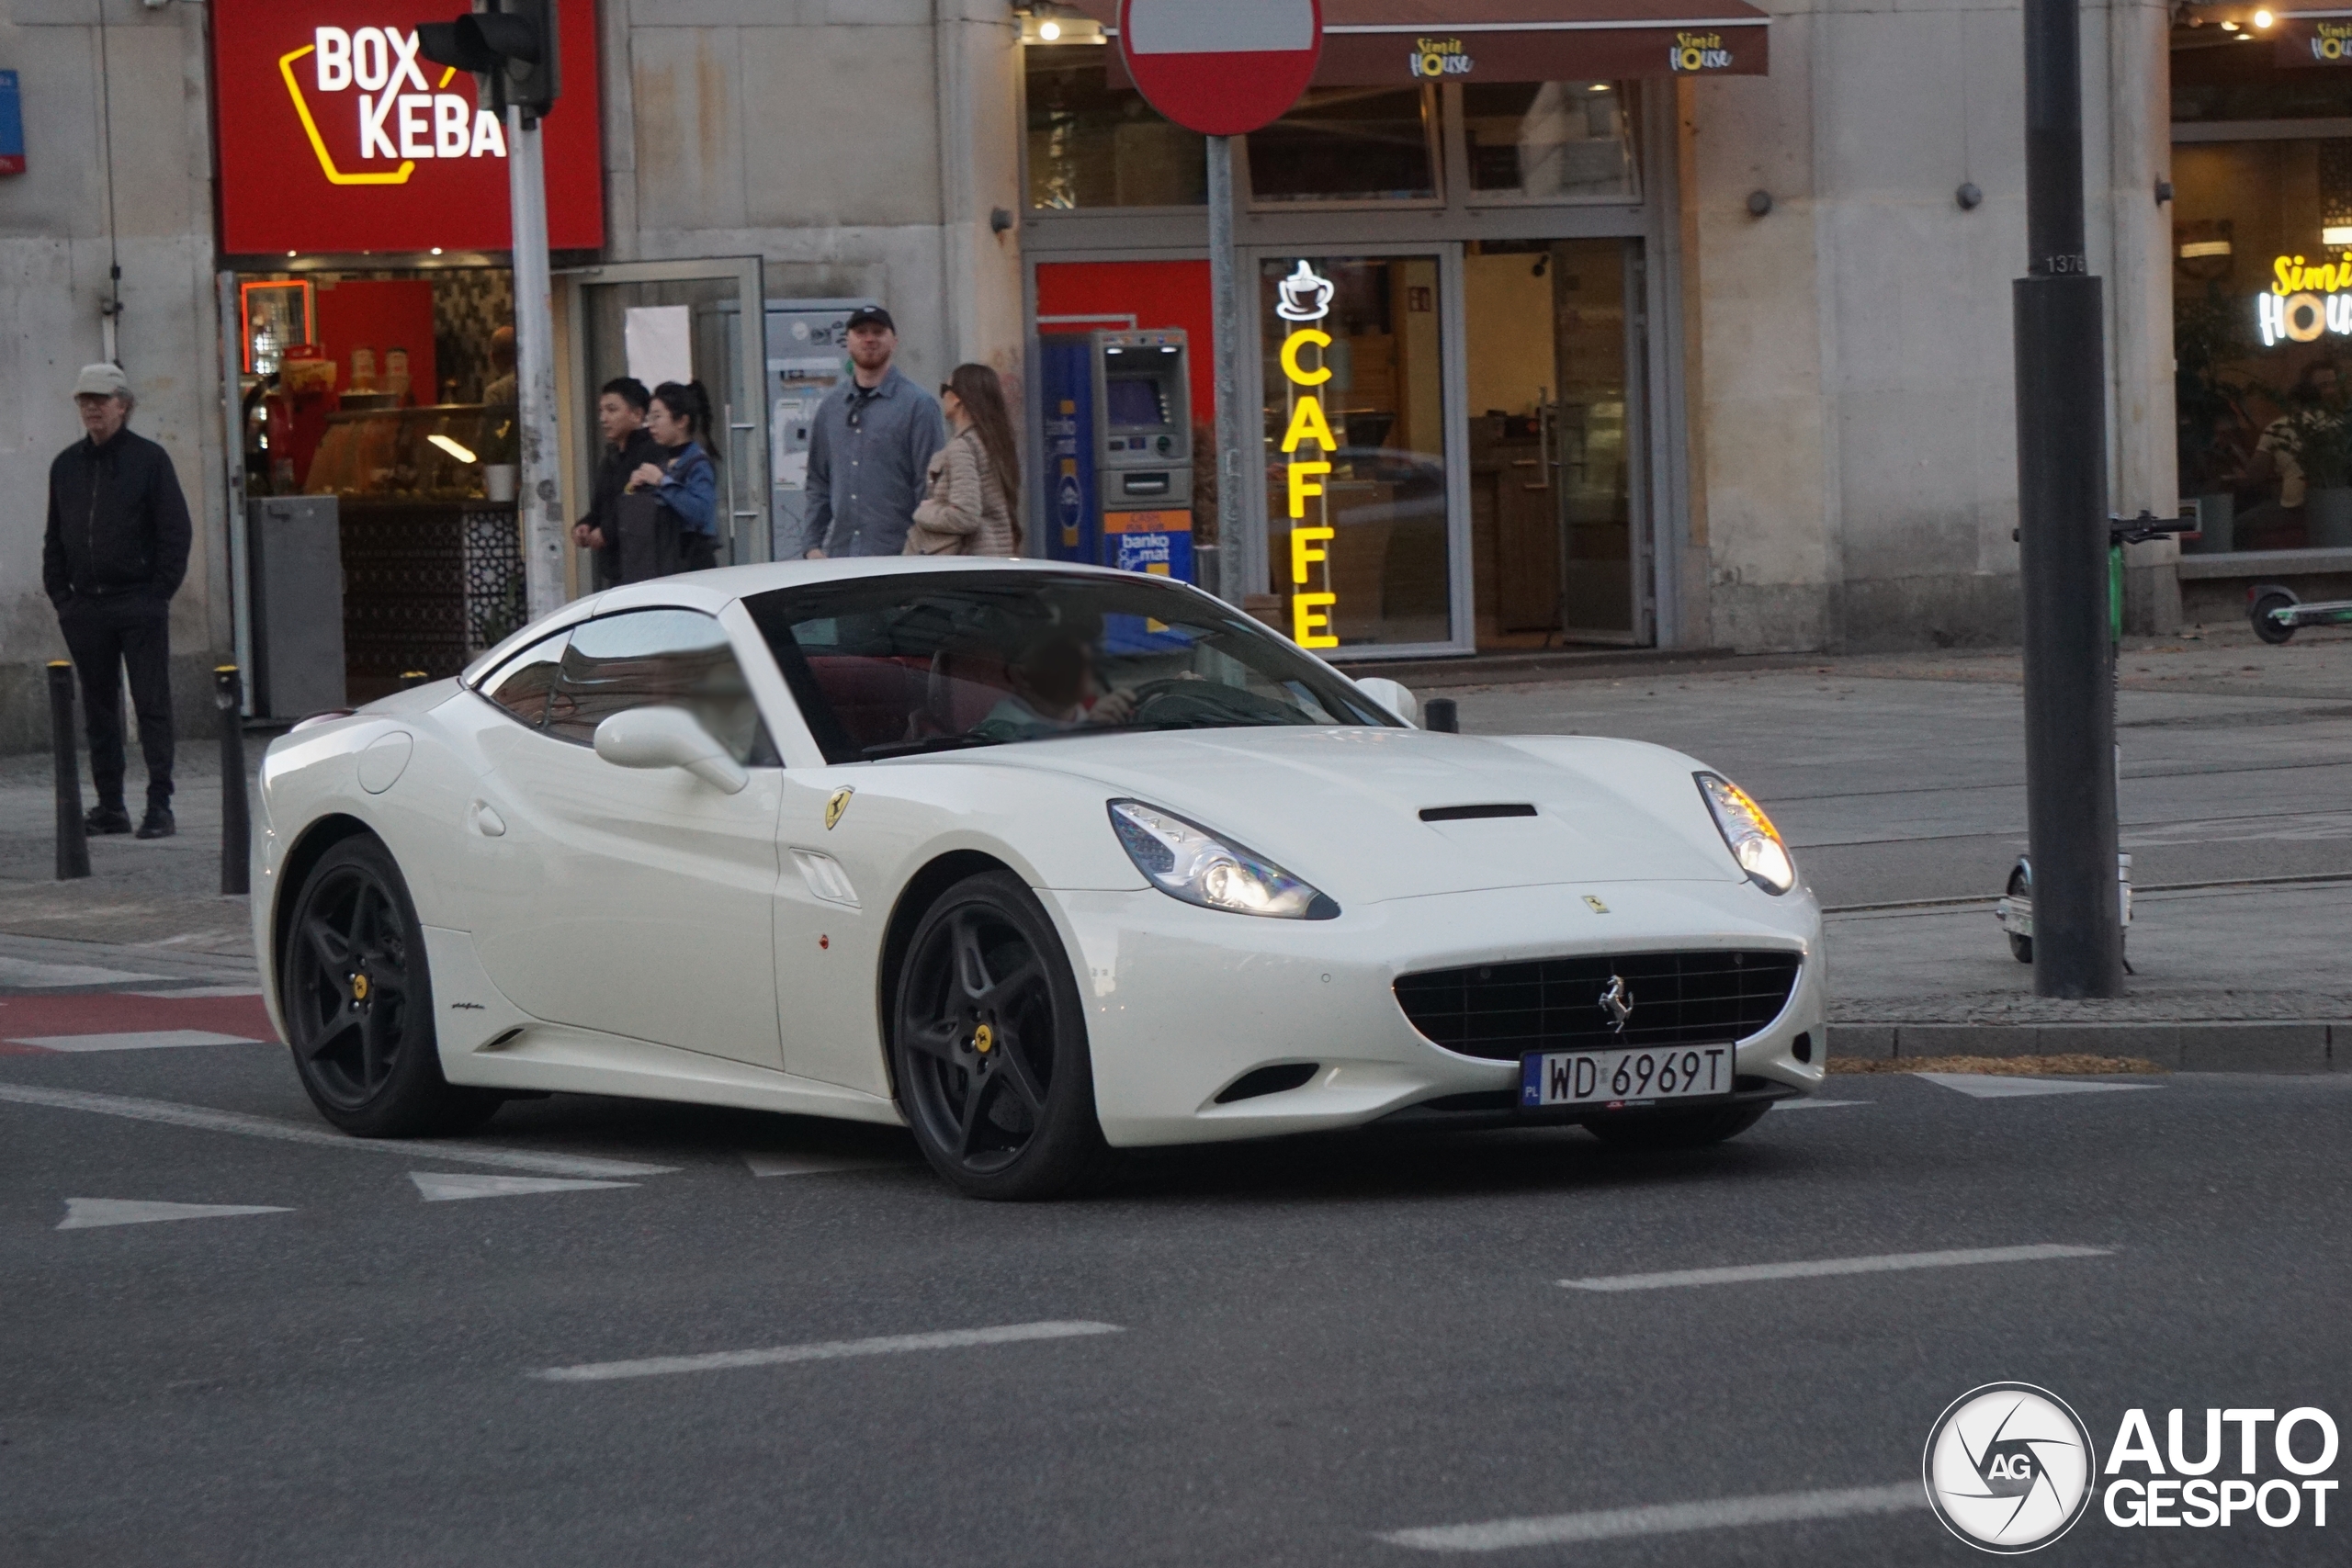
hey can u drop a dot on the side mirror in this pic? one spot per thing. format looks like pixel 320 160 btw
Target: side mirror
pixel 1393 696
pixel 669 737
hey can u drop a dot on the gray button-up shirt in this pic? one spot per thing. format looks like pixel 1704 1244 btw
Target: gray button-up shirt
pixel 867 454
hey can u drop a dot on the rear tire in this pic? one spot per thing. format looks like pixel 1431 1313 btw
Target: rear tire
pixel 358 999
pixel 988 1043
pixel 2020 887
pixel 2266 628
pixel 1676 1128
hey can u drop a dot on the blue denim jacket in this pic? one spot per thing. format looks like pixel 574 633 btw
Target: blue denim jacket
pixel 690 488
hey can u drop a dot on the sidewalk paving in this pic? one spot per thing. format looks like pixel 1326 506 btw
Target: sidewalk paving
pixel 1898 779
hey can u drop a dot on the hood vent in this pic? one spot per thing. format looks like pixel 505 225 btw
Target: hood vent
pixel 1472 813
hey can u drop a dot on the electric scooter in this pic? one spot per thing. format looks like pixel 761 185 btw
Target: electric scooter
pixel 2277 615
pixel 2015 912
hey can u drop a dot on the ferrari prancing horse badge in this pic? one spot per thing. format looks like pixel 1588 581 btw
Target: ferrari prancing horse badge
pixel 835 807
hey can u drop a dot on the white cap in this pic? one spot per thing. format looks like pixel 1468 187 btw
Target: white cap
pixel 102 381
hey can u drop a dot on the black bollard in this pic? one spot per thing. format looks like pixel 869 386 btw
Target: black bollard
pixel 1439 715
pixel 72 833
pixel 236 827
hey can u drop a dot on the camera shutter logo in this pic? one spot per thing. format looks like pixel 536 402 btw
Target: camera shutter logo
pixel 2009 1468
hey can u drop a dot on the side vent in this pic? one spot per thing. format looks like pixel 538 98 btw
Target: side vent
pixel 500 1041
pixel 1268 1081
pixel 1472 813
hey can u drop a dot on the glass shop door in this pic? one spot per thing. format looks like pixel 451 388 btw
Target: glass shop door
pixel 703 321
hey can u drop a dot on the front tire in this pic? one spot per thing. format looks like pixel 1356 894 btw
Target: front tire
pixel 2268 629
pixel 987 1040
pixel 357 999
pixel 1677 1129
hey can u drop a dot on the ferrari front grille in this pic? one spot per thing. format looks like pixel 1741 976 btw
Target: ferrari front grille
pixel 1503 1010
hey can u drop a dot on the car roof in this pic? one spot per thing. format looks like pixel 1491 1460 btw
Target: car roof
pixel 711 591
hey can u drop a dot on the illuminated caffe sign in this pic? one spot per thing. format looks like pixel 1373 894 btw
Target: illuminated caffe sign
pixel 2305 301
pixel 1304 299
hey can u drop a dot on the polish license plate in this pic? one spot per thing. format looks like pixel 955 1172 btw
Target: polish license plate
pixel 1611 1077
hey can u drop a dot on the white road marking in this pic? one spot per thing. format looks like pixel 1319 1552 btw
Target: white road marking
pixel 89 1213
pixel 1985 1086
pixel 1665 1518
pixel 24 974
pixel 1816 1104
pixel 200 991
pixel 828 1350
pixel 813 1165
pixel 1885 1263
pixel 149 1039
pixel 237 1121
pixel 443 1186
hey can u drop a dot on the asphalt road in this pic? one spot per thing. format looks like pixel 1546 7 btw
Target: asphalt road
pixel 1279 1354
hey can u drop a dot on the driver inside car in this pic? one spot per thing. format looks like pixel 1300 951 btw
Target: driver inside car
pixel 1055 689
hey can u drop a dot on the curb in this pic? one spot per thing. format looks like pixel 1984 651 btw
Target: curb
pixel 2263 1046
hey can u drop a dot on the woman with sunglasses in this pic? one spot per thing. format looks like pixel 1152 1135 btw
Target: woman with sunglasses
pixel 972 491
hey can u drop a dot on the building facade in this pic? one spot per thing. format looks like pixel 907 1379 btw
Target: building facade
pixel 1648 328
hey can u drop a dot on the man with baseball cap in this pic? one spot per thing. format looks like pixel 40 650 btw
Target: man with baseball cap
pixel 872 442
pixel 116 551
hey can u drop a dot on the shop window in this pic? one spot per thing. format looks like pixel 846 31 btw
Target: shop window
pixel 1093 145
pixel 1547 141
pixel 2262 301
pixel 1356 506
pixel 1348 144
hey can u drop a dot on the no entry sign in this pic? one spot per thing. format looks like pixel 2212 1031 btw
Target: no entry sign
pixel 1221 67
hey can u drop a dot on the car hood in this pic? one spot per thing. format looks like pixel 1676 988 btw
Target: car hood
pixel 1342 807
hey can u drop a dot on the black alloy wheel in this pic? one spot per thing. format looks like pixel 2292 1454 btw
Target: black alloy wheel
pixel 2020 887
pixel 989 1040
pixel 358 1002
pixel 1676 1128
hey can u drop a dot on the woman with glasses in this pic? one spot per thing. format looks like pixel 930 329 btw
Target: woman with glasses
pixel 972 491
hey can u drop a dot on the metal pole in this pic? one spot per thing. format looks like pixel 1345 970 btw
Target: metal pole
pixel 1235 554
pixel 539 494
pixel 236 825
pixel 72 833
pixel 2061 534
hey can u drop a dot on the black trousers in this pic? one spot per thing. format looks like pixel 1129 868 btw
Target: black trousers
pixel 107 637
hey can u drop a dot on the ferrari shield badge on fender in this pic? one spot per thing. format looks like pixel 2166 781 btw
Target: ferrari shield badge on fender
pixel 835 807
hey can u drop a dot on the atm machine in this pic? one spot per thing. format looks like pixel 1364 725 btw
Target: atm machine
pixel 808 357
pixel 1119 449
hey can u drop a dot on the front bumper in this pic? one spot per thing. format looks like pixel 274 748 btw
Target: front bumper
pixel 1182 1001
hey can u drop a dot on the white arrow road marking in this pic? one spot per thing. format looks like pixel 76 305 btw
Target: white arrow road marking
pixel 150 1040
pixel 1887 1263
pixel 441 1186
pixel 163 1111
pixel 813 1165
pixel 1665 1519
pixel 89 1213
pixel 1816 1104
pixel 1984 1086
pixel 828 1350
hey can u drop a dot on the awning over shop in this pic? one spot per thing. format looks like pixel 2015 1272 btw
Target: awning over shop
pixel 1404 42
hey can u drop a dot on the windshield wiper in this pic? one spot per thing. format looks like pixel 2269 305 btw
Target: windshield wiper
pixel 929 743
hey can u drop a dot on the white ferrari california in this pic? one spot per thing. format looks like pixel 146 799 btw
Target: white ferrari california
pixel 1040 861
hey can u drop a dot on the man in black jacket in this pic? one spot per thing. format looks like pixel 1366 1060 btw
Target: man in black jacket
pixel 620 415
pixel 116 552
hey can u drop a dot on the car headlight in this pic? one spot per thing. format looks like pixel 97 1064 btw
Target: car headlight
pixel 1186 860
pixel 1754 841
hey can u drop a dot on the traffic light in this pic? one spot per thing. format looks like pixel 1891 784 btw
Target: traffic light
pixel 513 45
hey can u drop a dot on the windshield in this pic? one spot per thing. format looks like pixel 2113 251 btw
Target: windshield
pixel 891 666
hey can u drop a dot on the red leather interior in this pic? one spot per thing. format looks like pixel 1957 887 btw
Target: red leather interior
pixel 875 699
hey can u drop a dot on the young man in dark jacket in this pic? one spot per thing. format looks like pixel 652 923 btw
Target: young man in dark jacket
pixel 620 415
pixel 115 553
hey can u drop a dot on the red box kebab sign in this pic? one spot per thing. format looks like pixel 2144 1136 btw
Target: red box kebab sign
pixel 336 134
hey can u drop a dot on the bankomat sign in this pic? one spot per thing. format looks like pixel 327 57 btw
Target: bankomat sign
pixel 336 135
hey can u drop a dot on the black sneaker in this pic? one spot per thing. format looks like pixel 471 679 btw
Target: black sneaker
pixel 105 819
pixel 158 823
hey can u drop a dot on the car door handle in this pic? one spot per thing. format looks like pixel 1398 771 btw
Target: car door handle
pixel 488 823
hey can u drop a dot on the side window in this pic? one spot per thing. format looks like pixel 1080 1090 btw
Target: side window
pixel 521 684
pixel 658 658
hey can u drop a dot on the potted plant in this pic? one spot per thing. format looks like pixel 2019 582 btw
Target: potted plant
pixel 2319 434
